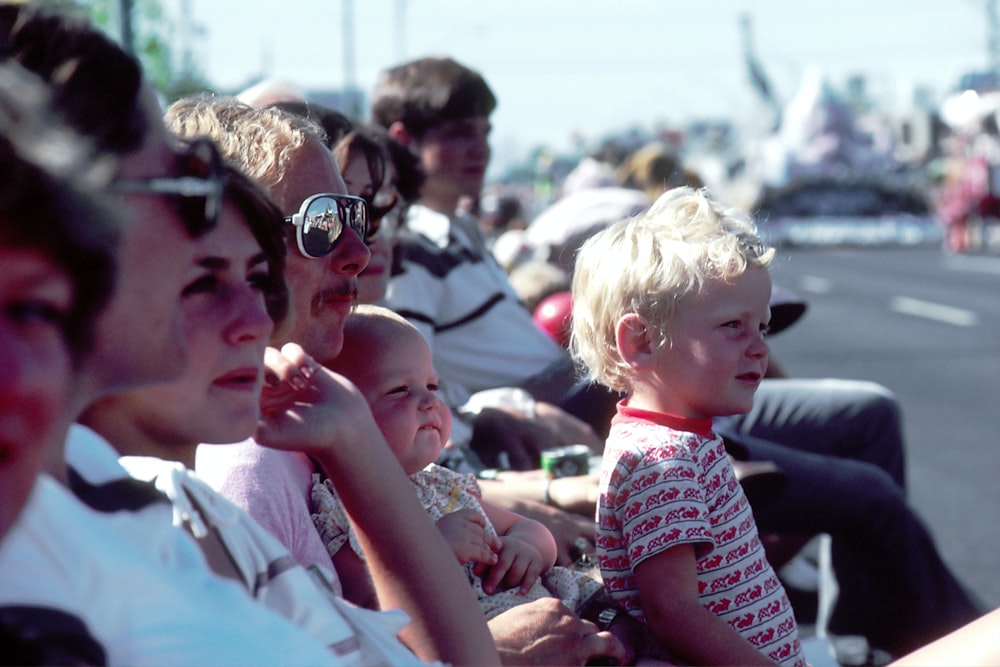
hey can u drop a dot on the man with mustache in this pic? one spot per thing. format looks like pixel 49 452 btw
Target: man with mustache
pixel 286 156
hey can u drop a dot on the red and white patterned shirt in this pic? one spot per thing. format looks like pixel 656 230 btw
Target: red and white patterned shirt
pixel 666 481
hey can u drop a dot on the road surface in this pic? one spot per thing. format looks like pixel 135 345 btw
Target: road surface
pixel 926 325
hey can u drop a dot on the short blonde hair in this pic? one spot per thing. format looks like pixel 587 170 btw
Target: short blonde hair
pixel 260 142
pixel 647 264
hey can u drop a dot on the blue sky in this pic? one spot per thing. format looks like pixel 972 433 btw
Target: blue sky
pixel 561 67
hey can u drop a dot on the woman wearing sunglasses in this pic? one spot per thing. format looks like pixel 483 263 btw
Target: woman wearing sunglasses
pixel 370 172
pixel 234 298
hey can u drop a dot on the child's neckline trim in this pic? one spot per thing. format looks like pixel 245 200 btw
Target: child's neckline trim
pixel 627 414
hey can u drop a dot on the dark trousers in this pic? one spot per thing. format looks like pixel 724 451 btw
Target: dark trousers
pixel 840 446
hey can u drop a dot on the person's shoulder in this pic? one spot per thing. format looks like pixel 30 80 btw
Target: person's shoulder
pixel 180 485
pixel 212 460
pixel 64 543
pixel 261 480
pixel 48 501
pixel 148 468
pixel 40 592
pixel 97 478
pixel 642 444
pixel 64 556
pixel 428 222
pixel 92 456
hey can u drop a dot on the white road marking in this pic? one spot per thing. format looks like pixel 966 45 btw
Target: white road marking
pixel 933 311
pixel 815 284
pixel 976 263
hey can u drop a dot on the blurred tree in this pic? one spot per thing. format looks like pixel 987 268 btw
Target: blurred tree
pixel 151 35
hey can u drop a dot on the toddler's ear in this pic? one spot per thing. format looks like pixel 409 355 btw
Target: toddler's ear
pixel 632 336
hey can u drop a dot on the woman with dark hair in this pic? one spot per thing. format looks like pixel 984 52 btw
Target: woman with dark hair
pixel 370 173
pixel 335 124
pixel 234 298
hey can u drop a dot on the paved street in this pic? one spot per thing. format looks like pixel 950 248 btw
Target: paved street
pixel 927 326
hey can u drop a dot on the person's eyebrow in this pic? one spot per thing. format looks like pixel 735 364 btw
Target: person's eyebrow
pixel 259 258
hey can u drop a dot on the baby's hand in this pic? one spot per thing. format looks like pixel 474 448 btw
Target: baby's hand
pixel 519 564
pixel 465 533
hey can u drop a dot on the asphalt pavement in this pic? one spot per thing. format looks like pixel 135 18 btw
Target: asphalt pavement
pixel 927 326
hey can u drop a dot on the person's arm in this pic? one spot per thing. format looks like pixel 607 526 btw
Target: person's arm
pixel 528 550
pixel 577 494
pixel 568 429
pixel 668 587
pixel 354 578
pixel 521 432
pixel 972 645
pixel 505 438
pixel 410 564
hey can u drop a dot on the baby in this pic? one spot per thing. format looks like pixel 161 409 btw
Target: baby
pixel 672 307
pixel 509 558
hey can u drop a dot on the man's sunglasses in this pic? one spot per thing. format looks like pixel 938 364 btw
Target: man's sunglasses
pixel 197 191
pixel 321 221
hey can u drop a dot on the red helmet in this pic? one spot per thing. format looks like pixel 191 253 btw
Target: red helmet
pixel 553 316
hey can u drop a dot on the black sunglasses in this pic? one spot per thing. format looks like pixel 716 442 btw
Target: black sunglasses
pixel 379 206
pixel 321 221
pixel 197 191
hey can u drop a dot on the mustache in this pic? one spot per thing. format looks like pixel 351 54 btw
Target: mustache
pixel 347 291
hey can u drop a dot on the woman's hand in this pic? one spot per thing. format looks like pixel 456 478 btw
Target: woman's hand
pixel 308 408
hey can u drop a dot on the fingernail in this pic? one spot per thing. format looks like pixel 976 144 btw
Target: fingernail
pixel 298 382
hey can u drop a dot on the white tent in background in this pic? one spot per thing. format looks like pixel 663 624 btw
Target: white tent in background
pixel 819 136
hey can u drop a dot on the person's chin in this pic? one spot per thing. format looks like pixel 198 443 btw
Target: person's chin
pixel 333 342
pixel 338 308
pixel 736 406
pixel 234 426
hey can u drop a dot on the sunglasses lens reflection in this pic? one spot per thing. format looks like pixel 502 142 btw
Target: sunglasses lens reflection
pixel 322 227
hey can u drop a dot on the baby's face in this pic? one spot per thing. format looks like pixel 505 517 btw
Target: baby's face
pixel 401 389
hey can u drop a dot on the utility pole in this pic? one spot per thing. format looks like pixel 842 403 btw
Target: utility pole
pixel 350 82
pixel 993 36
pixel 125 25
pixel 187 28
pixel 755 69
